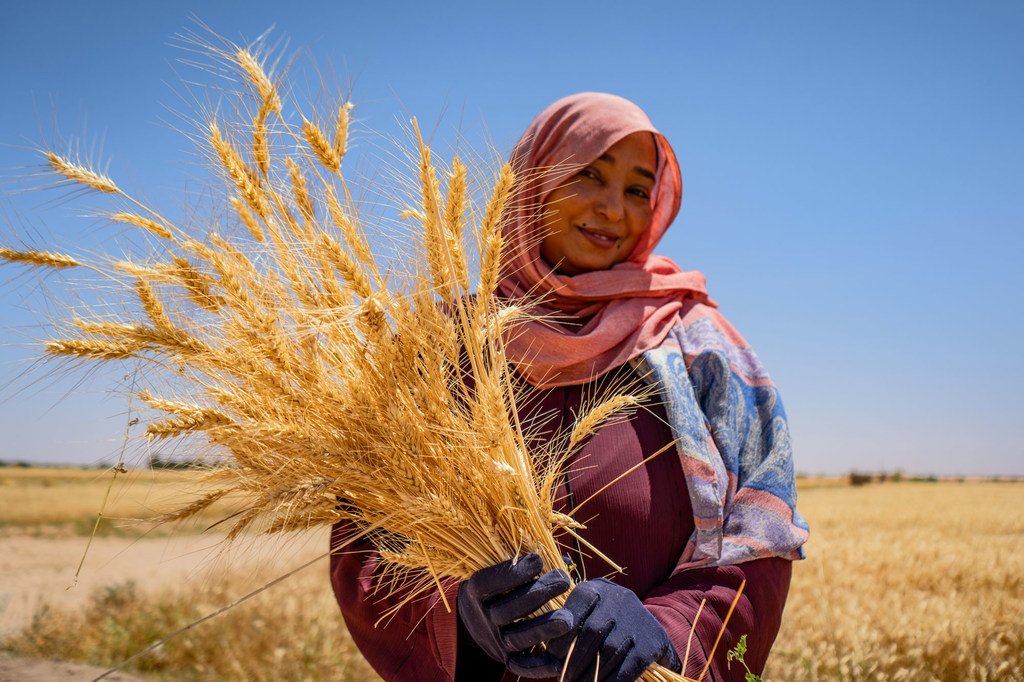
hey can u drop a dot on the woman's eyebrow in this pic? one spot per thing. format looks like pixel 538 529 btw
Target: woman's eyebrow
pixel 637 169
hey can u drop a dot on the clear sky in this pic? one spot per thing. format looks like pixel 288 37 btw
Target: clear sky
pixel 853 174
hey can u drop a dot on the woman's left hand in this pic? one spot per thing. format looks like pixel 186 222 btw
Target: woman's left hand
pixel 615 635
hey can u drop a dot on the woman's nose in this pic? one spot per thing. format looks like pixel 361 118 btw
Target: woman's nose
pixel 609 205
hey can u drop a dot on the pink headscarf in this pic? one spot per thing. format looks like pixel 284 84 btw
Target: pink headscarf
pixel 597 320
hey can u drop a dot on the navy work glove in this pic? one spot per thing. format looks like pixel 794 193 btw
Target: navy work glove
pixel 493 603
pixel 612 622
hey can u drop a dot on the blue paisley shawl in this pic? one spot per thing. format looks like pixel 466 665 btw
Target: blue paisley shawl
pixel 733 440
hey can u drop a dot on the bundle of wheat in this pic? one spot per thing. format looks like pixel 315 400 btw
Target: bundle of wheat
pixel 337 388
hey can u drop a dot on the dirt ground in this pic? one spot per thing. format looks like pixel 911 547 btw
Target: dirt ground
pixel 34 571
pixel 14 669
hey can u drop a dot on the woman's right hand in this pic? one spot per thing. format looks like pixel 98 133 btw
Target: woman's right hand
pixel 494 605
pixel 613 635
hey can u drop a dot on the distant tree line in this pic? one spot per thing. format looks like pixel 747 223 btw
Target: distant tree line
pixel 158 462
pixel 155 462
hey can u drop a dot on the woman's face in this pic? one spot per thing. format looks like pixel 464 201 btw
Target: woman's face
pixel 594 219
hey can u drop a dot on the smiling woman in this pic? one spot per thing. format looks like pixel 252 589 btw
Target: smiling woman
pixel 693 493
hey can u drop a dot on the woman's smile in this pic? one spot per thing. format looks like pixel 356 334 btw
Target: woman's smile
pixel 600 238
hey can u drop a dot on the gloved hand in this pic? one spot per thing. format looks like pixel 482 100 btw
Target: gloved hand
pixel 612 622
pixel 492 602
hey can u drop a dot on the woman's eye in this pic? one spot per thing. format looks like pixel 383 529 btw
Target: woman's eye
pixel 640 192
pixel 590 174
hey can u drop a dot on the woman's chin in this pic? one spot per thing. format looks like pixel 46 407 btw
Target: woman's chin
pixel 580 267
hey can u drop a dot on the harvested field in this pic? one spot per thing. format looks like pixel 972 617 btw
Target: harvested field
pixel 903 581
pixel 65 501
pixel 907 581
pixel 141 582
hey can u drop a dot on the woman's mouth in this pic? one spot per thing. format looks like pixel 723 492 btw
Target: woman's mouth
pixel 600 239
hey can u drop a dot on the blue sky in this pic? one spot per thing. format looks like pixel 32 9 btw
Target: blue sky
pixel 853 181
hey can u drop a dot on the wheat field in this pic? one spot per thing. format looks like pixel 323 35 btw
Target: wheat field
pixel 57 501
pixel 903 581
pixel 907 581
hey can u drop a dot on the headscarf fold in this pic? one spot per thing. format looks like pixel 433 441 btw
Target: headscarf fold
pixel 595 321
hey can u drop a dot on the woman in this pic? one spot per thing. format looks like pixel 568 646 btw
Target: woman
pixel 687 525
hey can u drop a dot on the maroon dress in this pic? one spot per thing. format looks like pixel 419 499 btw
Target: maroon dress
pixel 641 522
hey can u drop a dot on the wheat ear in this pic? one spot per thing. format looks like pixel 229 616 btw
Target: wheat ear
pixel 80 174
pixel 46 259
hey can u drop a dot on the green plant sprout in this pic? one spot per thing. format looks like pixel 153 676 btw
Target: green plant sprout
pixel 737 654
